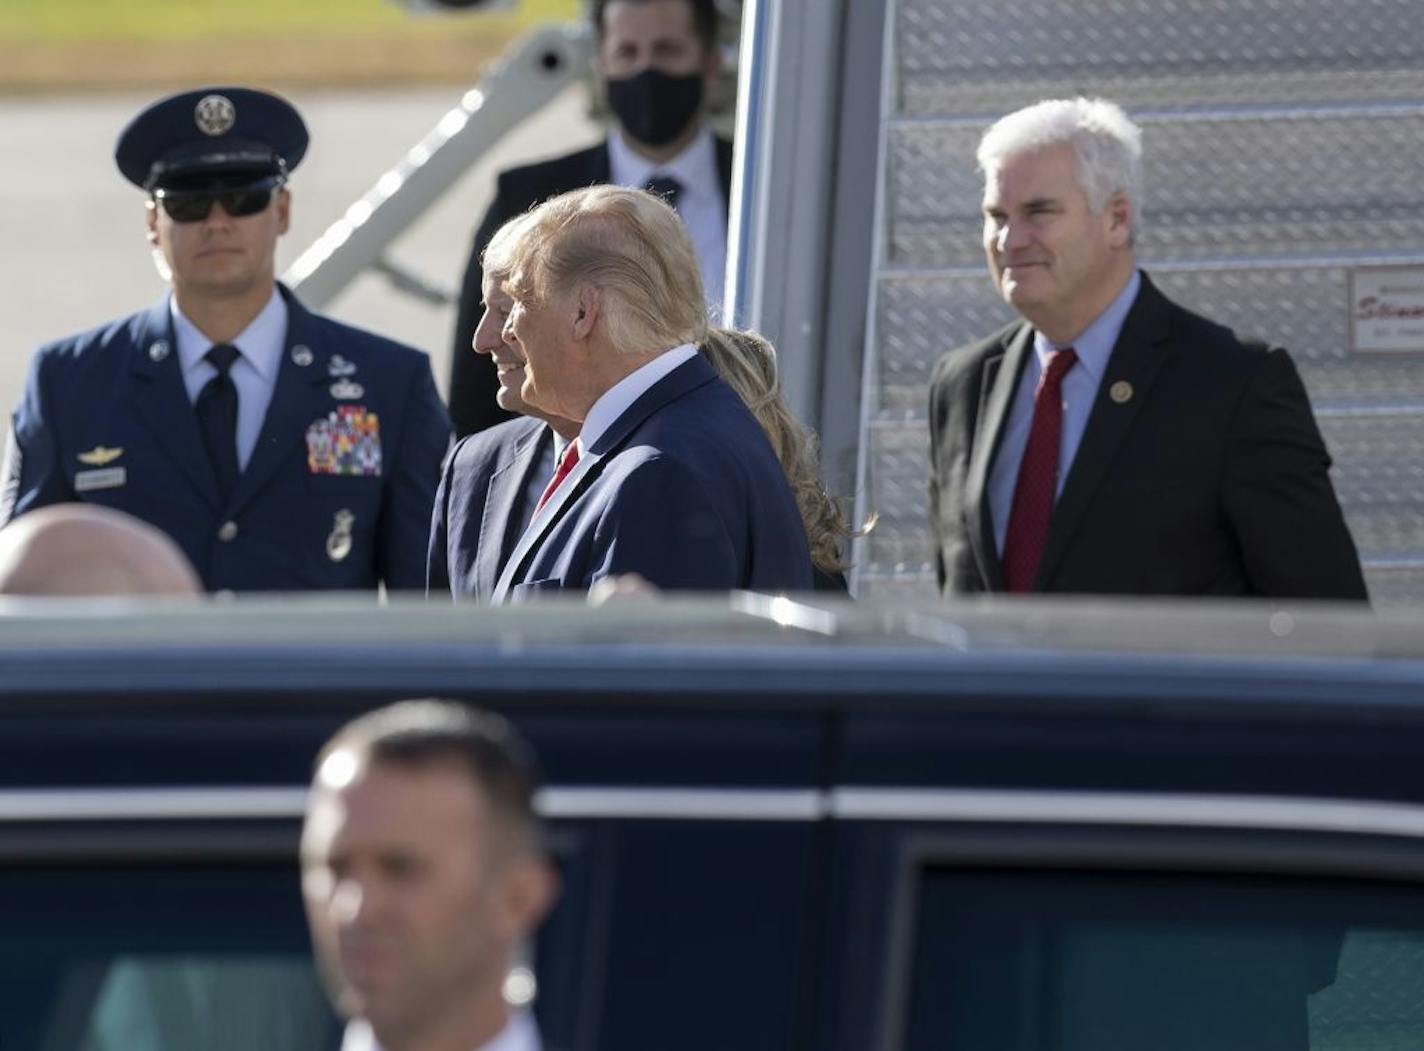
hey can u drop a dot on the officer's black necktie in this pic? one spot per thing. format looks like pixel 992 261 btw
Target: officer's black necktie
pixel 666 187
pixel 217 417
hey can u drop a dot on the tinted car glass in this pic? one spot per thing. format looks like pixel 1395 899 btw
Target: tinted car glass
pixel 157 957
pixel 1072 961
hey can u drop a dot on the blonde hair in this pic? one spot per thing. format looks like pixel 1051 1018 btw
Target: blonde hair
pixel 633 248
pixel 497 260
pixel 747 362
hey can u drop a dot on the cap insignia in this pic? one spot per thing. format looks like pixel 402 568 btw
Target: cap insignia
pixel 215 115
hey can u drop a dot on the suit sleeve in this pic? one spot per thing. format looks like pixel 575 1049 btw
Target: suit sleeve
pixel 473 382
pixel 665 526
pixel 410 493
pixel 437 558
pixel 33 471
pixel 1277 493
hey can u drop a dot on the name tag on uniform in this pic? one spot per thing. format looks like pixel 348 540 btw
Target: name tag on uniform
pixel 108 478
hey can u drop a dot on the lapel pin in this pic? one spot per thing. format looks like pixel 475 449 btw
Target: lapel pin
pixel 345 390
pixel 158 350
pixel 302 355
pixel 1120 392
pixel 338 544
pixel 339 366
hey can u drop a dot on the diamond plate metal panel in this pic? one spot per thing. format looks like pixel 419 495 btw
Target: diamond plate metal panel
pixel 1234 187
pixel 920 316
pixel 1378 475
pixel 897 584
pixel 1379 454
pixel 1402 586
pixel 981 56
pixel 1278 133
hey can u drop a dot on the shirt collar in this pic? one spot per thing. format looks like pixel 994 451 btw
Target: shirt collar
pixel 620 397
pixel 560 443
pixel 695 167
pixel 1095 345
pixel 260 342
pixel 519 1034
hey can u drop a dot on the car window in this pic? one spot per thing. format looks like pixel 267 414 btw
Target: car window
pixel 1073 961
pixel 157 957
pixel 214 1002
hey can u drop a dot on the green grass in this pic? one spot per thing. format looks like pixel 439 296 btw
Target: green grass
pixel 88 45
pixel 59 21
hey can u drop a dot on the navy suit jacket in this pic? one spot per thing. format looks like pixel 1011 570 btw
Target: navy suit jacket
pixel 683 489
pixel 481 507
pixel 473 383
pixel 116 394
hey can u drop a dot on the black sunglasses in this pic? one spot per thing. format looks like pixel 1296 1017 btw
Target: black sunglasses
pixel 193 206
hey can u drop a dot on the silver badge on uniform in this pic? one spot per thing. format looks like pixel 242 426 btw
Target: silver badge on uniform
pixel 158 350
pixel 345 390
pixel 105 478
pixel 339 366
pixel 338 544
pixel 215 115
pixel 302 355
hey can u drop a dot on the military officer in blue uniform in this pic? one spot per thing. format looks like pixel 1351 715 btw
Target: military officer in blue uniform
pixel 282 450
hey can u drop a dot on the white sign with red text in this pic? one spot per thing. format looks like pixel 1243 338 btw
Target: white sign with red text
pixel 1387 310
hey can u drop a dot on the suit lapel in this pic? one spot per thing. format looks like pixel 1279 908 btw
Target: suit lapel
pixel 691 374
pixel 162 400
pixel 588 468
pixel 1000 381
pixel 297 398
pixel 504 508
pixel 1142 347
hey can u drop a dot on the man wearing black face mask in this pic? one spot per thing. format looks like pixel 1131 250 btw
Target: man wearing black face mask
pixel 660 60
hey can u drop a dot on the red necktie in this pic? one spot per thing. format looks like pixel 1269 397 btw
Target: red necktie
pixel 566 464
pixel 1037 486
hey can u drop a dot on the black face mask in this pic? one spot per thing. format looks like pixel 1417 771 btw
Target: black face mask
pixel 656 107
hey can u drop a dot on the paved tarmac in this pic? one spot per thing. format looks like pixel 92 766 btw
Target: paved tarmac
pixel 76 253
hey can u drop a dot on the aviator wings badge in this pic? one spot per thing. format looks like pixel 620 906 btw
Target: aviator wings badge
pixel 100 455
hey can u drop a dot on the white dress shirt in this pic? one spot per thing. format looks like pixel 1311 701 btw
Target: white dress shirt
pixel 519 1034
pixel 1094 346
pixel 620 397
pixel 543 473
pixel 702 205
pixel 616 400
pixel 254 373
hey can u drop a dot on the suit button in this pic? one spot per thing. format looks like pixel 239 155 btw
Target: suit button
pixel 227 531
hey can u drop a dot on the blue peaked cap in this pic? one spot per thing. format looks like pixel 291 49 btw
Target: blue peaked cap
pixel 211 134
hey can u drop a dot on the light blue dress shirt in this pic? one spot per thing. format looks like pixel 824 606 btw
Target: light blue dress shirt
pixel 1080 388
pixel 254 373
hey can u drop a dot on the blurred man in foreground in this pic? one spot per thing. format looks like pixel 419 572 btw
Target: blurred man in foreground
pixel 423 872
pixel 81 549
pixel 660 61
pixel 671 477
